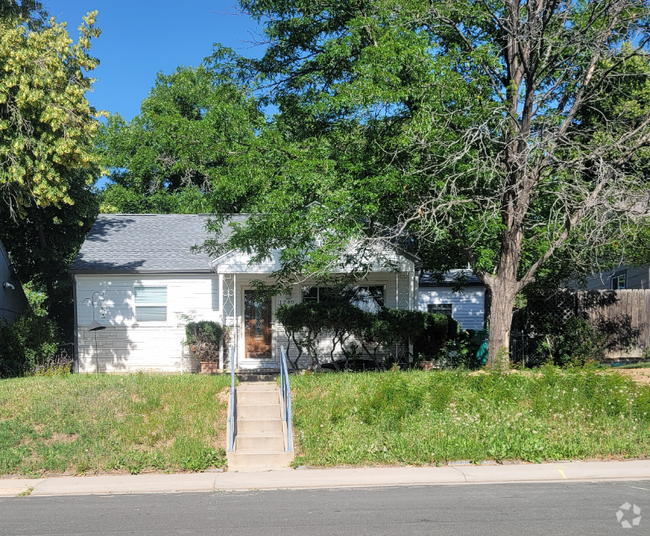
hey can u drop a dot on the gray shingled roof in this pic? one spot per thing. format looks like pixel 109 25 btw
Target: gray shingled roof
pixel 146 243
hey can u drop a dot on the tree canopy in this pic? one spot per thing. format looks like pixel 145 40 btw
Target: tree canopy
pixel 187 148
pixel 46 123
pixel 511 134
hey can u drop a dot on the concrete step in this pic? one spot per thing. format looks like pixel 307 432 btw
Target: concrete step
pixel 258 386
pixel 254 377
pixel 254 458
pixel 258 411
pixel 264 441
pixel 258 397
pixel 259 426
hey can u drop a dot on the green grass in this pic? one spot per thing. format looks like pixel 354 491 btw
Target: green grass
pixel 437 417
pixel 94 423
pixel 644 364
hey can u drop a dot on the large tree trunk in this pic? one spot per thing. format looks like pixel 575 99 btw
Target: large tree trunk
pixel 503 300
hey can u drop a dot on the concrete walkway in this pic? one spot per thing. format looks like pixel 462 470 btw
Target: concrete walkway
pixel 328 478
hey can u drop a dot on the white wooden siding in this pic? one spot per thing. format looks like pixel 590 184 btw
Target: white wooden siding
pixel 127 345
pixel 468 305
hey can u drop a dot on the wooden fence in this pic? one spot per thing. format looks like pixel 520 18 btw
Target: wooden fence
pixel 623 315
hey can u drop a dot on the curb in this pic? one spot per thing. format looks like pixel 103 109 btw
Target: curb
pixel 634 470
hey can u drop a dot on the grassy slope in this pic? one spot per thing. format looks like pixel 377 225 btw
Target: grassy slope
pixel 423 417
pixel 92 423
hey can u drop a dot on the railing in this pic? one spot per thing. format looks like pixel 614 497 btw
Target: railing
pixel 232 418
pixel 285 390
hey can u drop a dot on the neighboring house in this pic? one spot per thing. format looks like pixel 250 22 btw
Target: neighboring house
pixel 466 306
pixel 622 277
pixel 12 298
pixel 137 276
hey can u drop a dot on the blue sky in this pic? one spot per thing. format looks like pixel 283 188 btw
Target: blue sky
pixel 143 37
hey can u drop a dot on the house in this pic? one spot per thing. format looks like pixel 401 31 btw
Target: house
pixel 466 306
pixel 137 281
pixel 12 298
pixel 620 278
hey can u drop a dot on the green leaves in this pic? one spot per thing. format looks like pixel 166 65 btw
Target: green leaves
pixel 46 123
pixel 196 133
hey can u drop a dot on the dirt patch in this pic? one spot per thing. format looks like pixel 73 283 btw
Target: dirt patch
pixel 61 438
pixel 223 396
pixel 640 376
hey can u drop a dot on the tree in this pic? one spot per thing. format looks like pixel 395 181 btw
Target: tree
pixel 457 128
pixel 44 242
pixel 47 168
pixel 188 145
pixel 46 123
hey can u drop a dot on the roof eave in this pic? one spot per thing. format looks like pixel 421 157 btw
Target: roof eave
pixel 118 271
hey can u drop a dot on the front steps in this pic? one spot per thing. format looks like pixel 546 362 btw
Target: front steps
pixel 260 437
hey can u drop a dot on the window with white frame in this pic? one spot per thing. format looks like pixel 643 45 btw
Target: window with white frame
pixel 317 294
pixel 619 280
pixel 150 304
pixel 440 308
pixel 368 298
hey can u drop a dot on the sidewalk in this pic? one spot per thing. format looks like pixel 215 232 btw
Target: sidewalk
pixel 328 478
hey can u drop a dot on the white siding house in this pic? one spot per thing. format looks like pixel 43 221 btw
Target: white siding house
pixel 12 298
pixel 139 278
pixel 466 306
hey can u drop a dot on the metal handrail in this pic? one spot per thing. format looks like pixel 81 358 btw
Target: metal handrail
pixel 285 389
pixel 232 418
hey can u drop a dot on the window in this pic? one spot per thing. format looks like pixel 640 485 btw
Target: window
pixel 619 280
pixel 370 298
pixel 440 308
pixel 150 304
pixel 317 294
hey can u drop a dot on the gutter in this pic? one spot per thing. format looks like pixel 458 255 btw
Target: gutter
pixel 139 272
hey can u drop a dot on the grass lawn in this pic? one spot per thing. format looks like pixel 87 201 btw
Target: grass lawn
pixel 642 365
pixel 435 417
pixel 93 423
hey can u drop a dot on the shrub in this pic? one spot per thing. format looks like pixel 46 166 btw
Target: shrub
pixel 30 342
pixel 437 331
pixel 302 325
pixel 574 342
pixel 305 323
pixel 204 338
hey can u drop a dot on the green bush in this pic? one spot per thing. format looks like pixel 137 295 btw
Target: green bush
pixel 27 344
pixel 204 338
pixel 437 331
pixel 306 323
pixel 574 342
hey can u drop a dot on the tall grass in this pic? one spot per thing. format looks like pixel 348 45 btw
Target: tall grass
pixel 423 417
pixel 94 423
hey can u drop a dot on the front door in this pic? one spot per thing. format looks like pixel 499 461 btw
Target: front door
pixel 257 322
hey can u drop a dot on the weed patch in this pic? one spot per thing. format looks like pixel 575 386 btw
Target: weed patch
pixel 85 424
pixel 435 417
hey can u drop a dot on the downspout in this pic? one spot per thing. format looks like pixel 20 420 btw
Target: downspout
pixel 75 346
pixel 397 307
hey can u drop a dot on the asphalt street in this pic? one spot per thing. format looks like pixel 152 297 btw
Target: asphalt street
pixel 572 508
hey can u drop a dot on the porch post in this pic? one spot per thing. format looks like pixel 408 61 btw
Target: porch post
pixel 235 335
